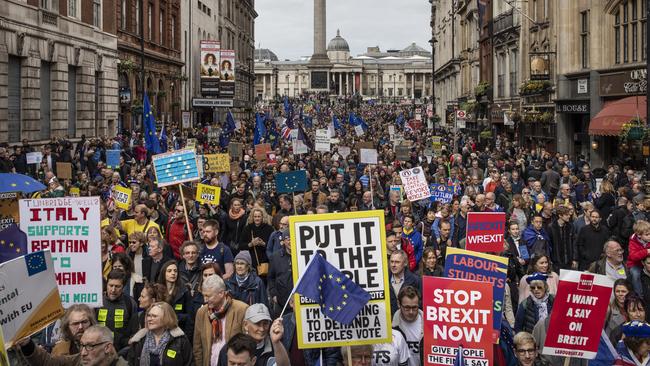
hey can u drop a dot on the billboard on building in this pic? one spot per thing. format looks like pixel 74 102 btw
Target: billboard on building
pixel 227 69
pixel 210 67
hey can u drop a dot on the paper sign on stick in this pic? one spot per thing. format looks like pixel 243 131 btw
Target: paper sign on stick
pixel 415 184
pixel 122 197
pixel 368 156
pixel 208 194
pixel 34 157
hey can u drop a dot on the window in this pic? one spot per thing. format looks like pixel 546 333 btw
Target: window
pixel 501 77
pixel 137 17
pixel 97 13
pixel 635 42
pixel 400 91
pixel 45 4
pixel 584 39
pixel 545 9
pixel 617 38
pixel 72 101
pixel 173 32
pixel 14 107
pixel 150 21
pixel 122 14
pixel 72 8
pixel 644 36
pixel 514 60
pixel 161 27
pixel 534 4
pixel 45 98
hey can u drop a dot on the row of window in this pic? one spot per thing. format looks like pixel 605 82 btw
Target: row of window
pixel 630 38
pixel 164 37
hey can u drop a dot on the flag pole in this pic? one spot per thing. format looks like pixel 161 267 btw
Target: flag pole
pixel 187 220
pixel 293 291
pixel 349 355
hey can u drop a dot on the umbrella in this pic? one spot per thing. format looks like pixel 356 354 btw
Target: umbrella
pixel 14 182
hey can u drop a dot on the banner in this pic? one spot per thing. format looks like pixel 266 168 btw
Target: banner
pixel 578 315
pixel 441 193
pixel 355 243
pixel 122 197
pixel 485 231
pixel 474 266
pixel 415 184
pixel 69 227
pixel 9 209
pixel 209 67
pixel 208 194
pixel 30 297
pixel 176 167
pixel 227 70
pixel 217 163
pixel 322 141
pixel 113 158
pixel 456 312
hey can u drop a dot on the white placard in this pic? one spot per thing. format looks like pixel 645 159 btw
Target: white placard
pixel 34 157
pixel 359 130
pixel 415 184
pixel 344 151
pixel 368 156
pixel 322 141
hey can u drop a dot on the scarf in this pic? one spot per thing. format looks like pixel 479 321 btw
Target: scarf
pixel 150 347
pixel 216 315
pixel 236 216
pixel 407 231
pixel 542 309
pixel 241 280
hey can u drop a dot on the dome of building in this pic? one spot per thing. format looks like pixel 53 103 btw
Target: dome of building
pixel 338 43
pixel 264 54
pixel 413 50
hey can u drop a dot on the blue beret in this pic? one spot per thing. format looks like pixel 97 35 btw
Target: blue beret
pixel 636 329
pixel 537 276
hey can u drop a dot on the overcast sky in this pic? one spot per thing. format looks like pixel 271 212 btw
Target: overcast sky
pixel 286 26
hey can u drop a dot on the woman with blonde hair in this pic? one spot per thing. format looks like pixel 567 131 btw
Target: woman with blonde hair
pixel 254 237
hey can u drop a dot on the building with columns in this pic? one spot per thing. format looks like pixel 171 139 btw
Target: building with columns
pixel 391 75
pixel 58 69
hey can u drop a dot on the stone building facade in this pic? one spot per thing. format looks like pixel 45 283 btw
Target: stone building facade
pixel 58 69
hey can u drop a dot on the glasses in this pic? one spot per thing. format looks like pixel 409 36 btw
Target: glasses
pixel 530 351
pixel 91 346
pixel 77 324
pixel 525 192
pixel 536 287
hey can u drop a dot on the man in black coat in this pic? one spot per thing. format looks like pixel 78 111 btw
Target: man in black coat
pixel 152 264
pixel 590 241
pixel 280 277
pixel 400 277
pixel 563 241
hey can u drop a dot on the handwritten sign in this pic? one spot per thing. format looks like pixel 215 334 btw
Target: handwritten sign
pixel 217 163
pixel 415 184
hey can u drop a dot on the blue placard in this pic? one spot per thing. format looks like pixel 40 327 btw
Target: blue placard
pixel 113 158
pixel 176 167
pixel 441 193
pixel 523 252
pixel 295 181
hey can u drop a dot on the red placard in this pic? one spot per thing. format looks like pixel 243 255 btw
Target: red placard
pixel 578 315
pixel 457 312
pixel 485 231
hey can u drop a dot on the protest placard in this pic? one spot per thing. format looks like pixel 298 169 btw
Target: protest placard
pixel 364 145
pixel 63 170
pixel 403 152
pixel 69 227
pixel 235 149
pixel 113 158
pixel 322 140
pixel 75 192
pixel 30 297
pixel 391 130
pixel 358 129
pixel 122 197
pixel 344 151
pixel 368 156
pixel 261 150
pixel 176 167
pixel 354 243
pixel 191 144
pixel 456 312
pixel 436 145
pixel 415 184
pixel 485 231
pixel 208 194
pixel 34 157
pixel 217 163
pixel 474 266
pixel 578 316
pixel 441 193
pixel 9 209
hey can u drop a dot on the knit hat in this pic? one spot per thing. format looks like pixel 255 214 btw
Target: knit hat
pixel 245 256
pixel 636 329
pixel 537 276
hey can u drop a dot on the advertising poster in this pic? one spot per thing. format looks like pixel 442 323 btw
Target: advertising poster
pixel 355 243
pixel 456 312
pixel 30 297
pixel 69 228
pixel 474 266
pixel 227 70
pixel 485 231
pixel 210 67
pixel 579 312
pixel 415 184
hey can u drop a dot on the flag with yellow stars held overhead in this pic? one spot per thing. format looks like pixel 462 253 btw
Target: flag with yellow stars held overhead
pixel 13 243
pixel 294 181
pixel 340 298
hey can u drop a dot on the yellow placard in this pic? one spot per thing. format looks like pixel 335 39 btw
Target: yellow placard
pixel 122 197
pixel 217 163
pixel 74 191
pixel 208 194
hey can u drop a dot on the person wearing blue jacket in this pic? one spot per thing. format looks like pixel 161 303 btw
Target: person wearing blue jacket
pixel 536 238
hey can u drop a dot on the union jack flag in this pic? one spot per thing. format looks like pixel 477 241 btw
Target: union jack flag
pixel 285 132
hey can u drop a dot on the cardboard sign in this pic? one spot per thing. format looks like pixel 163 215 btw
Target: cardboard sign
pixel 441 193
pixel 436 145
pixel 9 209
pixel 261 150
pixel 322 140
pixel 122 197
pixel 70 228
pixel 191 144
pixel 235 149
pixel 355 243
pixel 368 156
pixel 113 158
pixel 64 170
pixel 415 184
pixel 468 265
pixel 208 194
pixel 485 231
pixel 217 163
pixel 34 157
pixel 176 167
pixel 365 145
pixel 30 297
pixel 344 151
pixel 403 152
pixel 456 312
pixel 578 315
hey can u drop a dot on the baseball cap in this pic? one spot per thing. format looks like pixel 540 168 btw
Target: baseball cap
pixel 256 313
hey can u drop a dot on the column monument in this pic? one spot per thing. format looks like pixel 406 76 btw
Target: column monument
pixel 319 64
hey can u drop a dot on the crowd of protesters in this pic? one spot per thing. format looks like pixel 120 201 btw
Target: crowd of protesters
pixel 197 284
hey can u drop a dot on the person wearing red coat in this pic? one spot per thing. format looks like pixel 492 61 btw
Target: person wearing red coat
pixel 639 249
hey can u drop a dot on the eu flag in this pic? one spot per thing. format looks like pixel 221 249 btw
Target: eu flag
pixel 400 120
pixel 151 141
pixel 163 139
pixel 337 125
pixel 13 243
pixel 260 129
pixel 294 181
pixel 606 352
pixel 230 123
pixel 35 263
pixel 338 296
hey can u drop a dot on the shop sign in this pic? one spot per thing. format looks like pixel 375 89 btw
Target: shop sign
pixel 632 82
pixel 572 107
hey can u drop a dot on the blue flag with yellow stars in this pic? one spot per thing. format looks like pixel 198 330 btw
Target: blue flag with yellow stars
pixel 151 141
pixel 13 243
pixel 35 263
pixel 294 181
pixel 339 297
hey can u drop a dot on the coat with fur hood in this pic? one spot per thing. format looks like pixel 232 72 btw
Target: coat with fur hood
pixel 178 351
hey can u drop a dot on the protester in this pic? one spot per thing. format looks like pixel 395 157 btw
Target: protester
pixel 634 348
pixel 246 286
pixel 76 320
pixel 151 293
pixel 409 320
pixel 539 264
pixel 616 314
pixel 538 305
pixel 526 350
pixel 119 312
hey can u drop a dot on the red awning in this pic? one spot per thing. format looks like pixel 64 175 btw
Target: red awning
pixel 610 119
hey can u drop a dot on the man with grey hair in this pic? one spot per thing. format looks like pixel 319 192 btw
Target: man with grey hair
pixel 217 321
pixel 611 264
pixel 77 318
pixel 96 349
